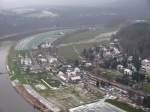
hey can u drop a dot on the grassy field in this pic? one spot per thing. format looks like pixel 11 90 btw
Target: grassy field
pixel 14 69
pixel 67 52
pixel 85 35
pixel 109 73
pixel 70 96
pixel 81 47
pixel 124 106
pixel 81 40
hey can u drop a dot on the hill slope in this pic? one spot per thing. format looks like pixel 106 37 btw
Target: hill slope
pixel 135 38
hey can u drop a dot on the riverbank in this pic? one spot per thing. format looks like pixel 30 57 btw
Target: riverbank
pixel 10 101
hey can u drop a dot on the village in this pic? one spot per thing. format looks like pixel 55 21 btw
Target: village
pixel 92 71
pixel 134 71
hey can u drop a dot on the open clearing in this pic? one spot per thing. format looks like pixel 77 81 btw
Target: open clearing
pixel 70 96
pixel 80 41
pixel 86 34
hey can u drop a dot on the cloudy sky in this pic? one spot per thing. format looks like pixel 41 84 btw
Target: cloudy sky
pixel 19 3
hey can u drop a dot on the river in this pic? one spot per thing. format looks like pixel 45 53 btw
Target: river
pixel 10 100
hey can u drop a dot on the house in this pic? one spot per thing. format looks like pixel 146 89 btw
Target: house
pixel 75 78
pixel 62 76
pixel 26 61
pixel 130 58
pixel 116 51
pixel 119 58
pixel 60 73
pixel 145 62
pixel 52 60
pixel 145 70
pixel 88 64
pixel 132 67
pixel 60 33
pixel 146 66
pixel 43 60
pixel 112 44
pixel 120 67
pixel 107 55
pixel 116 40
pixel 127 72
pixel 35 69
pixel 48 68
pixel 46 45
pixel 77 70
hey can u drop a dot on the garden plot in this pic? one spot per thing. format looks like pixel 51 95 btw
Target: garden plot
pixel 70 96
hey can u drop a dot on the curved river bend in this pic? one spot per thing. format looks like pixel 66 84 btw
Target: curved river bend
pixel 10 101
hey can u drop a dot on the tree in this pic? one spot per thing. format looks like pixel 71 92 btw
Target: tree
pixel 76 63
pixel 97 84
pixel 138 77
pixel 146 101
pixel 84 53
pixel 136 61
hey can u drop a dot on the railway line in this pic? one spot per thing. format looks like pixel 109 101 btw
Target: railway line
pixel 116 84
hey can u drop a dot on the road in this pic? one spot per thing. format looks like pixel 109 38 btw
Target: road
pixel 10 101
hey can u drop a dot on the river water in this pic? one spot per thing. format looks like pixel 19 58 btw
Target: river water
pixel 10 100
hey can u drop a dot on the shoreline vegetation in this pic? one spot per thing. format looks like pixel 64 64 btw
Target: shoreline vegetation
pixel 19 78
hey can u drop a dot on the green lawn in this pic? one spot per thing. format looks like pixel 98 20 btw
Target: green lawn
pixel 124 106
pixel 85 35
pixel 12 63
pixel 109 73
pixel 71 96
pixel 80 36
pixel 67 52
pixel 81 47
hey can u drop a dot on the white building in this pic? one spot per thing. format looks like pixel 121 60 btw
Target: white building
pixel 52 60
pixel 46 45
pixel 127 72
pixel 26 61
pixel 75 78
pixel 145 62
pixel 43 60
pixel 120 67
pixel 146 66
pixel 77 70
pixel 88 64
pixel 116 51
pixel 130 58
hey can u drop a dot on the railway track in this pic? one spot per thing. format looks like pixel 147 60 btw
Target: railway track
pixel 121 86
